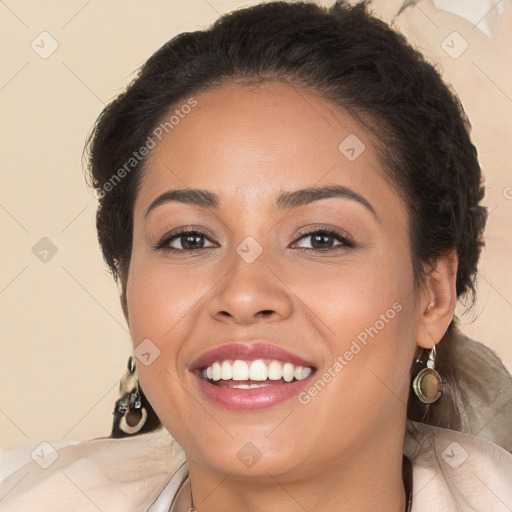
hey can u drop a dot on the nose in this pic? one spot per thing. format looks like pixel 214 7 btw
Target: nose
pixel 250 293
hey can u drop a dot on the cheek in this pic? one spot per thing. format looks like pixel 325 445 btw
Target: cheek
pixel 367 315
pixel 164 303
pixel 367 296
pixel 367 383
pixel 159 298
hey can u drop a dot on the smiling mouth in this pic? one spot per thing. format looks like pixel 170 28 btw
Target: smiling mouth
pixel 241 374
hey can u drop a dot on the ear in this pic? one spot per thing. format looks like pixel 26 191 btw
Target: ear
pixel 438 300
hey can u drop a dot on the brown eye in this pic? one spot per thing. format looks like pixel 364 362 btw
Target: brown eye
pixel 323 240
pixel 185 241
pixel 191 241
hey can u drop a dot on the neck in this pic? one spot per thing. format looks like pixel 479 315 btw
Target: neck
pixel 366 481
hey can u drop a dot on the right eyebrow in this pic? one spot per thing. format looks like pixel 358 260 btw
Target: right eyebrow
pixel 195 196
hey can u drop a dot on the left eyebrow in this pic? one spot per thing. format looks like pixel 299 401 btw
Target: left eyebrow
pixel 305 196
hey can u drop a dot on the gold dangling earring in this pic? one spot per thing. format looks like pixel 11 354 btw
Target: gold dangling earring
pixel 428 385
pixel 129 413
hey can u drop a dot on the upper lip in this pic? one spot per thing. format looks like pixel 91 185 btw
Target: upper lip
pixel 248 352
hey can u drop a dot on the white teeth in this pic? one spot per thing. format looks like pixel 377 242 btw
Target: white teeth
pixel 226 372
pixel 275 370
pixel 256 370
pixel 240 370
pixel 216 371
pixel 248 386
pixel 306 372
pixel 288 372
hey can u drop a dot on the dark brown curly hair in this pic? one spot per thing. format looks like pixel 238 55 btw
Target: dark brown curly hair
pixel 361 64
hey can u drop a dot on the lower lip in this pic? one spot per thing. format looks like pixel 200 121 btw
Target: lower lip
pixel 251 399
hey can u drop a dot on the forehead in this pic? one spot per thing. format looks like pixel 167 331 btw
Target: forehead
pixel 245 141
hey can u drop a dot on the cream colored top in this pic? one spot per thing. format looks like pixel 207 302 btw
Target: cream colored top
pixel 451 472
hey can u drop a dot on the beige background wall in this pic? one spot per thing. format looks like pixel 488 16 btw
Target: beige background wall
pixel 63 341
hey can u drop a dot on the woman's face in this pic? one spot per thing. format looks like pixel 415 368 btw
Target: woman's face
pixel 299 259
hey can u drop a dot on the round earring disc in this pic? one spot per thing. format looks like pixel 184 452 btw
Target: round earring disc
pixel 428 385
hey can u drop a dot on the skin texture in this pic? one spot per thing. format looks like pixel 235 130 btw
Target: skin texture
pixel 343 449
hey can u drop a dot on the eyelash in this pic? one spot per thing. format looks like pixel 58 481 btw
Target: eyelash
pixel 340 236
